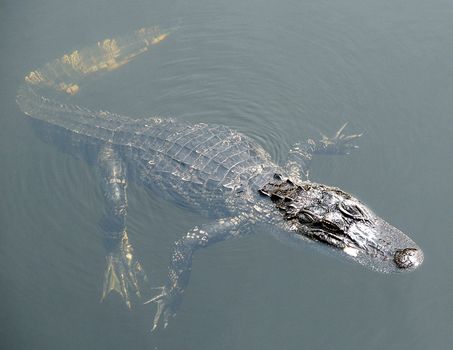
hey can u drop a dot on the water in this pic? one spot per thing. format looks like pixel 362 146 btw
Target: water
pixel 279 72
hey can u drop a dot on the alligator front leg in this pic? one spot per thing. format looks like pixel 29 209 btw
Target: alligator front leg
pixel 170 297
pixel 124 274
pixel 300 154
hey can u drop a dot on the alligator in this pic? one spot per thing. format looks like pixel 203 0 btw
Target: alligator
pixel 212 169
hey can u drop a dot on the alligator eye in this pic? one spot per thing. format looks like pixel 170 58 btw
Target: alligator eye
pixel 351 209
pixel 306 216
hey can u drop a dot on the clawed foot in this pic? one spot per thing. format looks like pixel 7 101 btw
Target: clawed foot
pixel 124 273
pixel 340 143
pixel 167 303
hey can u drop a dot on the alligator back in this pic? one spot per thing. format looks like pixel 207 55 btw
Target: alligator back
pixel 198 163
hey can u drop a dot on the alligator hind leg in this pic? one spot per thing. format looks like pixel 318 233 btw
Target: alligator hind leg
pixel 301 154
pixel 124 274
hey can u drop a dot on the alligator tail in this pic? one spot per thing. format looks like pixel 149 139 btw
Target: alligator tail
pixel 65 74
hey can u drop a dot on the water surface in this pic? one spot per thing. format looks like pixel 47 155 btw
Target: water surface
pixel 279 72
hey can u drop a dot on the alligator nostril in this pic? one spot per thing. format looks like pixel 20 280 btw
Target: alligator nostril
pixel 408 258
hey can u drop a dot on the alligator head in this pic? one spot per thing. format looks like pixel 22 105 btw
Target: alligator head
pixel 343 224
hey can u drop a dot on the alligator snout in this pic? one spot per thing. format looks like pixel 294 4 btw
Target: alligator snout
pixel 408 258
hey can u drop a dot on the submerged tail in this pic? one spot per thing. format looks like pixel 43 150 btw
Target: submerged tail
pixel 66 73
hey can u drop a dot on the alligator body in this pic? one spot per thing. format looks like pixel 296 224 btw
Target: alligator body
pixel 210 168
